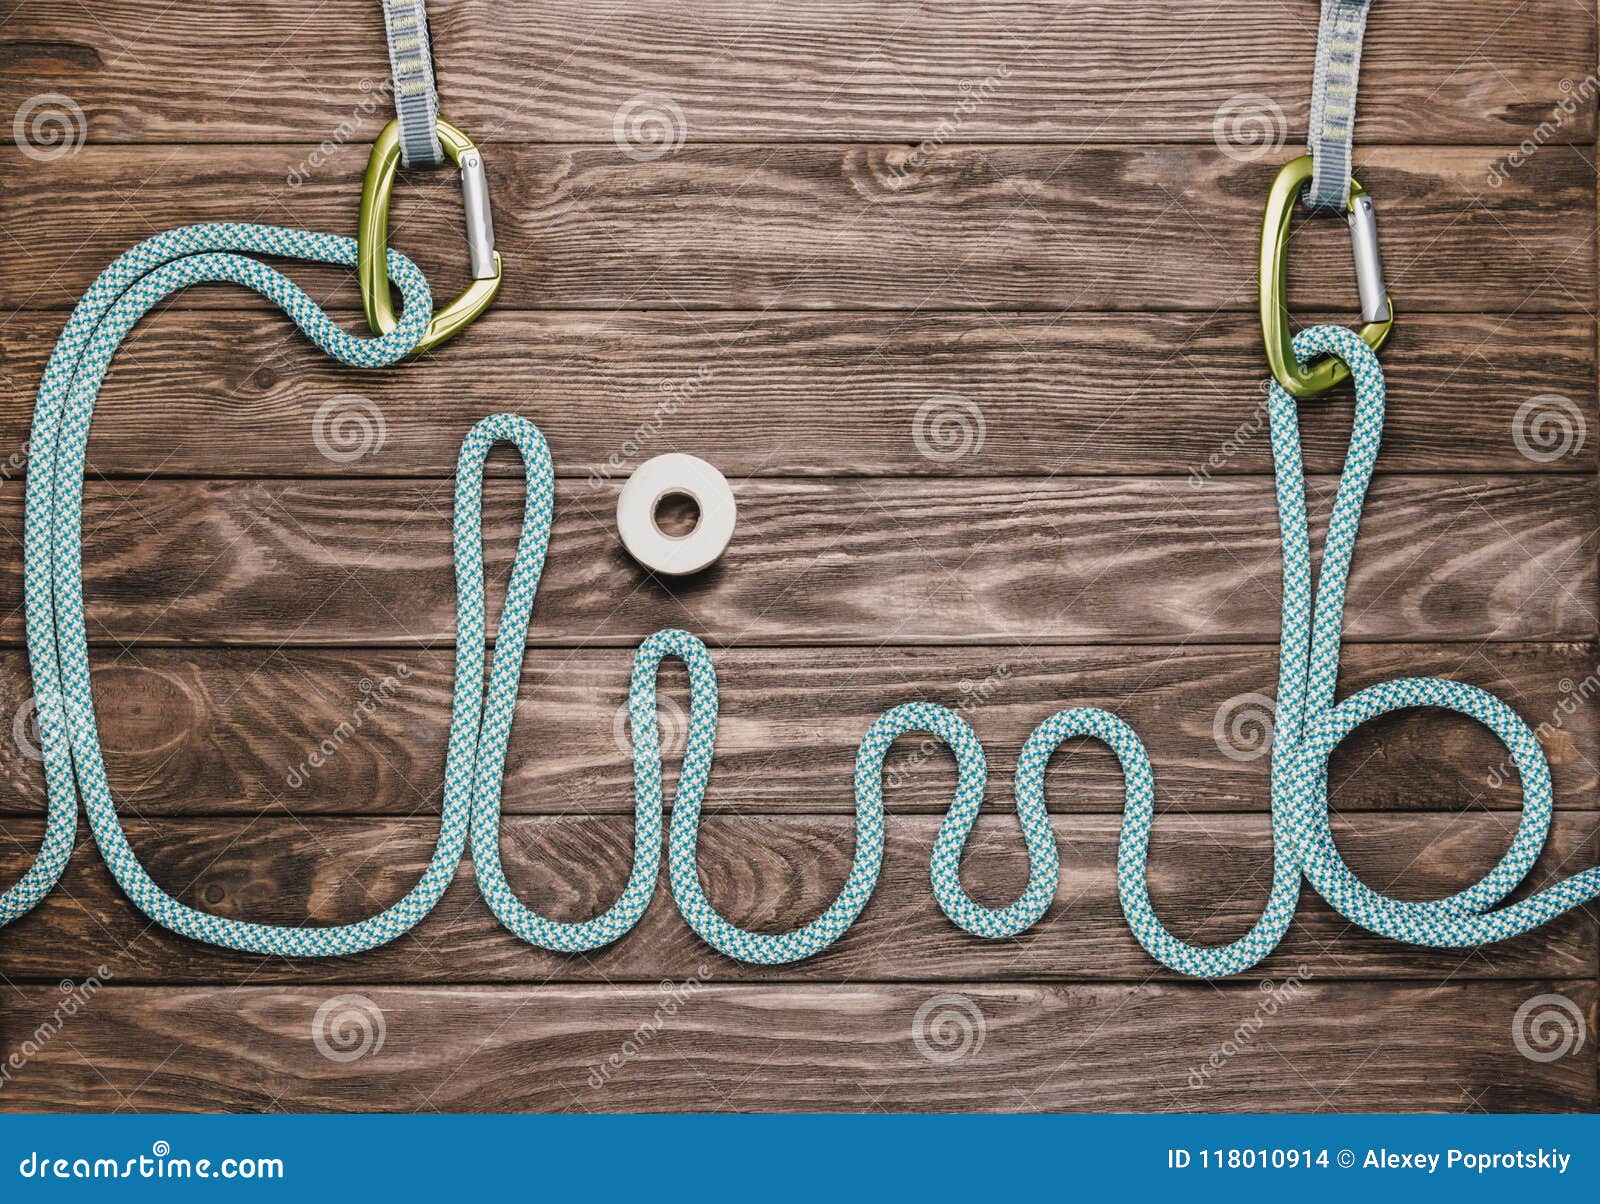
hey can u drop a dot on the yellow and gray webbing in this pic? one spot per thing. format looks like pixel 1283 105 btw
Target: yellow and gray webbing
pixel 1333 101
pixel 416 97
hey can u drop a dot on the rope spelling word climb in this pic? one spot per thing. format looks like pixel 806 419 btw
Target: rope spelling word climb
pixel 1308 728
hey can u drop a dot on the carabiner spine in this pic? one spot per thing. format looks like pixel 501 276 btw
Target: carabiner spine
pixel 480 223
pixel 1369 264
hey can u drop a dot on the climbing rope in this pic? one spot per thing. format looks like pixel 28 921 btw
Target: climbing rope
pixel 53 580
pixel 1308 728
pixel 480 720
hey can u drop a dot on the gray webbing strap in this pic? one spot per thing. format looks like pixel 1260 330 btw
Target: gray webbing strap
pixel 416 99
pixel 1333 101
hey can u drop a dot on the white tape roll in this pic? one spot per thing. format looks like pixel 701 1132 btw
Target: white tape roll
pixel 661 477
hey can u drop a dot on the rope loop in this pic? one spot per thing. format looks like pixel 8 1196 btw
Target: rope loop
pixel 1309 725
pixel 58 653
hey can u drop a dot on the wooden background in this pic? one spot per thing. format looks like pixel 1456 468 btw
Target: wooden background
pixel 782 294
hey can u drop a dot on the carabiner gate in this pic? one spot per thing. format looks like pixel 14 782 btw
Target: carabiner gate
pixel 372 240
pixel 1377 311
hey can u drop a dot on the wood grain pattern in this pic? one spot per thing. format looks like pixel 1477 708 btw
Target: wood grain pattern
pixel 290 731
pixel 796 1047
pixel 812 226
pixel 839 242
pixel 1435 70
pixel 1209 882
pixel 226 393
pixel 856 561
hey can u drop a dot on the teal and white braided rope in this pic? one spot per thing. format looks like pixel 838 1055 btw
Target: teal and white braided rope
pixel 1309 725
pixel 812 938
pixel 52 564
pixel 1308 728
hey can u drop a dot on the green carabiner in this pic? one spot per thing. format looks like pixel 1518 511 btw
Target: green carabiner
pixel 1377 311
pixel 372 240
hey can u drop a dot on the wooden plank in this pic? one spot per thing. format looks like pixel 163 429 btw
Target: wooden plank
pixel 286 731
pixel 716 1048
pixel 1435 70
pixel 816 394
pixel 1209 883
pixel 865 561
pixel 825 226
pixel 1087 179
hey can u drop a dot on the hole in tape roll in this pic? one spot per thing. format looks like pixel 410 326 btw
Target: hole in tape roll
pixel 676 514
